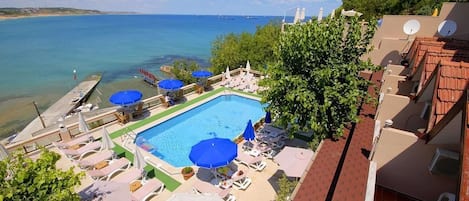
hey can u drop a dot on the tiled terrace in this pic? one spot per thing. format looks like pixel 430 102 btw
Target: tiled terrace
pixel 264 184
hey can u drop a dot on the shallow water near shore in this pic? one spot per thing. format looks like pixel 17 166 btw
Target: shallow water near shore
pixel 38 55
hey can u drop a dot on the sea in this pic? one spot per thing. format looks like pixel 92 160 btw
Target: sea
pixel 38 55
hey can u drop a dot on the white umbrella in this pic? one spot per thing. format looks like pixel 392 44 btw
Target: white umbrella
pixel 248 67
pixel 320 15
pixel 82 127
pixel 3 152
pixel 293 161
pixel 297 16
pixel 139 160
pixel 302 14
pixel 227 73
pixel 107 142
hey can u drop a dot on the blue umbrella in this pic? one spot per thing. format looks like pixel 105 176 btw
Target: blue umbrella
pixel 201 74
pixel 170 84
pixel 213 153
pixel 126 97
pixel 249 134
pixel 267 118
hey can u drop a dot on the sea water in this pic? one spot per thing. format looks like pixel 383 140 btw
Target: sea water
pixel 38 55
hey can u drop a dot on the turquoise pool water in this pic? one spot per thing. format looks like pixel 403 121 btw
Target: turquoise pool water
pixel 225 116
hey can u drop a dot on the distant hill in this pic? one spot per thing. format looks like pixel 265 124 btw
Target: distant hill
pixel 25 12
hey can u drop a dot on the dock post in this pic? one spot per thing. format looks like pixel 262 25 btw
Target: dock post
pixel 39 114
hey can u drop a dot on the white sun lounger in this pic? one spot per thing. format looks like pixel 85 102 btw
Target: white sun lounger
pixel 75 141
pixel 79 153
pixel 201 187
pixel 251 161
pixel 150 188
pixel 113 167
pixel 95 159
pixel 128 176
pixel 240 179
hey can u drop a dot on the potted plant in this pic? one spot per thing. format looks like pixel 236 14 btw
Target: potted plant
pixel 187 172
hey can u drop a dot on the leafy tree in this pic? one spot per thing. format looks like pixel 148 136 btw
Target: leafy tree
pixel 182 70
pixel 233 50
pixel 286 187
pixel 378 8
pixel 25 179
pixel 316 84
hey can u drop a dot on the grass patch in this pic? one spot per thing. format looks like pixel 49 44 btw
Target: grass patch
pixel 170 183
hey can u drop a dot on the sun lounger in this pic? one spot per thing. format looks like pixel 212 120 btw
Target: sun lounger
pixel 76 141
pixel 254 162
pixel 94 159
pixel 240 179
pixel 128 176
pixel 150 188
pixel 108 171
pixel 201 187
pixel 79 153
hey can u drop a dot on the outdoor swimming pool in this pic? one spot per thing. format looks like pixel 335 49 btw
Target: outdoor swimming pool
pixel 225 116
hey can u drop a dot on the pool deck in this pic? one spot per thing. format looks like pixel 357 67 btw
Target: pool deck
pixel 264 183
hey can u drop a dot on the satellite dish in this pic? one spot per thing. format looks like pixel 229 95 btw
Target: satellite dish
pixel 411 27
pixel 447 28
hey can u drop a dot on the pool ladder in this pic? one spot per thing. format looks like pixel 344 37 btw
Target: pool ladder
pixel 129 136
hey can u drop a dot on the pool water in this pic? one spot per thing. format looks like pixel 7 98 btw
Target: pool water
pixel 225 117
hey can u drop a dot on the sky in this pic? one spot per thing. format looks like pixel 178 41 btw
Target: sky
pixel 191 7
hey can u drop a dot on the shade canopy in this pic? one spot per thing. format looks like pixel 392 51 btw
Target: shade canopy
pixel 106 141
pixel 293 160
pixel 268 118
pixel 170 84
pixel 139 160
pixel 249 134
pixel 126 97
pixel 213 153
pixel 201 74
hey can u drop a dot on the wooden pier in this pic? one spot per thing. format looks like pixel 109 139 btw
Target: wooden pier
pixel 61 108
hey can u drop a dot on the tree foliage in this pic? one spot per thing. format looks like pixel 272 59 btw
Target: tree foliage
pixel 286 187
pixel 182 70
pixel 27 179
pixel 378 8
pixel 316 84
pixel 233 50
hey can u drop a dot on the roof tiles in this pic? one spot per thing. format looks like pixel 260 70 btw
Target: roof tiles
pixel 452 81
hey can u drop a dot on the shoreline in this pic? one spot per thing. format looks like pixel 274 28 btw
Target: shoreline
pixel 4 18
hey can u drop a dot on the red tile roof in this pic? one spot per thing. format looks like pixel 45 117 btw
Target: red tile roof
pixel 340 170
pixel 452 80
pixel 433 57
pixel 423 44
